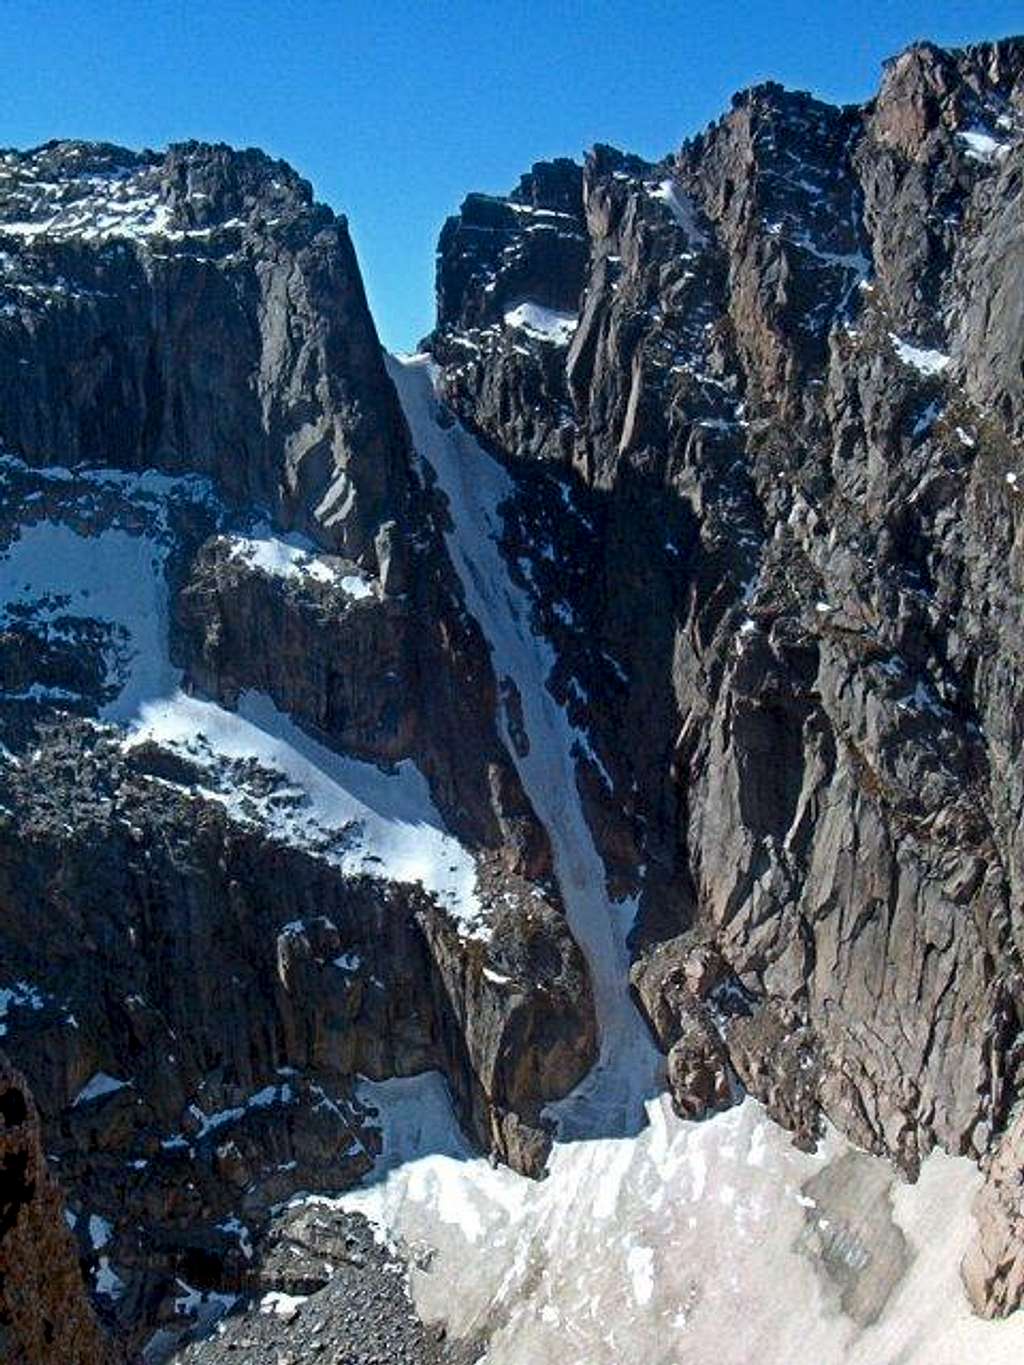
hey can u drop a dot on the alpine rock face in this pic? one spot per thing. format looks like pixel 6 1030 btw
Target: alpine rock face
pixel 587 749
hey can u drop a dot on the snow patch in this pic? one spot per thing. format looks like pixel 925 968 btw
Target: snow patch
pixel 107 1281
pixel 100 1231
pixel 682 209
pixel 282 1305
pixel 99 1085
pixel 980 145
pixel 360 818
pixel 293 558
pixel 20 995
pixel 920 358
pixel 546 324
pixel 60 579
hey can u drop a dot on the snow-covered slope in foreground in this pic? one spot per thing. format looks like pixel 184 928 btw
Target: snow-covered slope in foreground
pixel 668 1242
pixel 691 1242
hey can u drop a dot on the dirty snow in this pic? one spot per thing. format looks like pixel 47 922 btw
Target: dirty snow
pixel 628 1251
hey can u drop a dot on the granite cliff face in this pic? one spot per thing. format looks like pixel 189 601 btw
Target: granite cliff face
pixel 276 827
pixel 260 837
pixel 786 408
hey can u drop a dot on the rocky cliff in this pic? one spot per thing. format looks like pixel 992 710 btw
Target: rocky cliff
pixel 45 1315
pixel 260 836
pixel 274 820
pixel 777 380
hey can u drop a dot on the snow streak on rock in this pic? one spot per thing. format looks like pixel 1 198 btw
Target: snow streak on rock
pixel 610 1100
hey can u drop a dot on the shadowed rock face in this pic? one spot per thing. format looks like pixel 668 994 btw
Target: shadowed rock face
pixel 45 1314
pixel 196 311
pixel 788 422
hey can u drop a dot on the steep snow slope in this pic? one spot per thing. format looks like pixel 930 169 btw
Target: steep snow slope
pixel 609 1102
pixel 94 576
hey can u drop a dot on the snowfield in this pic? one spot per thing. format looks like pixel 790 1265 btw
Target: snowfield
pixel 68 585
pixel 688 1242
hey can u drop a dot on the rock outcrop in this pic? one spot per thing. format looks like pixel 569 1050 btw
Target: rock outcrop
pixel 198 312
pixel 45 1315
pixel 993 1268
pixel 260 839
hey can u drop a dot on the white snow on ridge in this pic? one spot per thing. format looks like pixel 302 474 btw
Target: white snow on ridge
pixel 294 558
pixel 920 358
pixel 547 324
pixel 98 207
pixel 358 817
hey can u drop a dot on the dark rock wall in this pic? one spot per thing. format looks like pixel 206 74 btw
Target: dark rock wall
pixel 790 409
pixel 228 336
pixel 45 1315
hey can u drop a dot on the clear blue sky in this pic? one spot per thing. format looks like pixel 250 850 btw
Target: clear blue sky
pixel 396 109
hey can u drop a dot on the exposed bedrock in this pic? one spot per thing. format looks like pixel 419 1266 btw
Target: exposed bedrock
pixel 769 506
pixel 202 998
pixel 45 1314
pixel 197 311
pixel 384 676
pixel 993 1272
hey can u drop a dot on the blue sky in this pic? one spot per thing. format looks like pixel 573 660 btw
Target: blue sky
pixel 396 109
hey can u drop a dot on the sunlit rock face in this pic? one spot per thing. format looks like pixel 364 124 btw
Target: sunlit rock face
pixel 583 750
pixel 767 500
